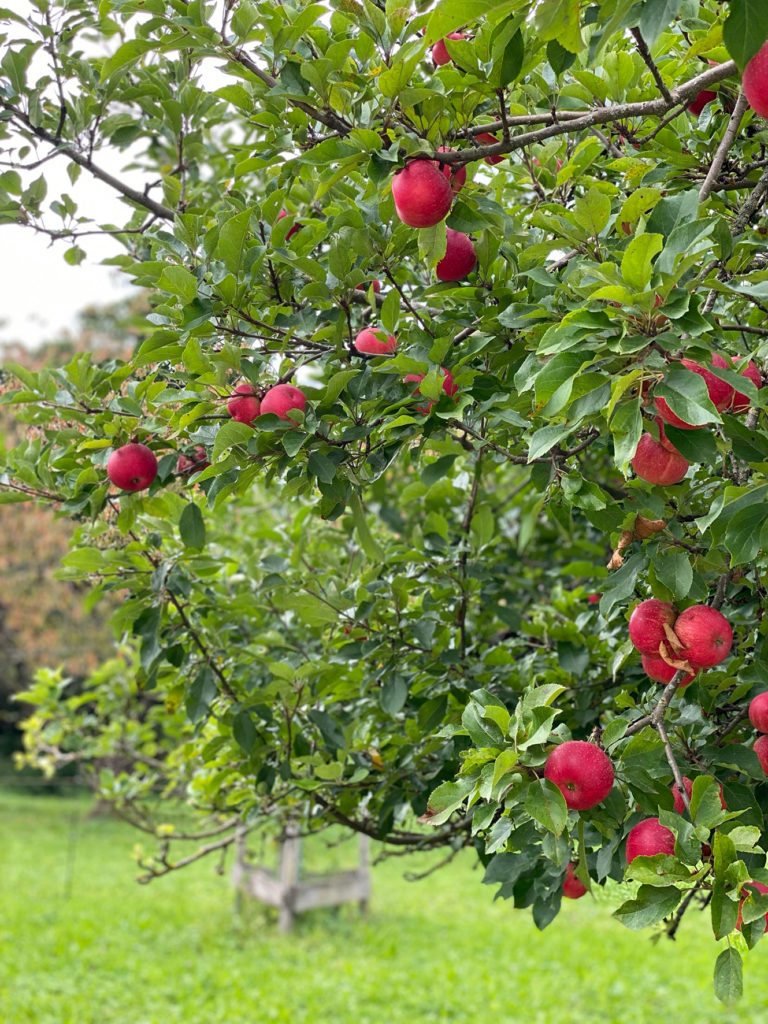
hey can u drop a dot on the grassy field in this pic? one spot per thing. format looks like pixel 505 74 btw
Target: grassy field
pixel 81 943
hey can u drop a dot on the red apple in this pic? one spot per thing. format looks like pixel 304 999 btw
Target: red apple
pixel 659 462
pixel 700 100
pixel 459 257
pixel 132 467
pixel 759 888
pixel 582 772
pixel 373 341
pixel 662 672
pixel 754 81
pixel 244 406
pixel 648 838
pixel 760 747
pixel 646 624
pixel 364 287
pixel 457 176
pixel 705 634
pixel 422 194
pixel 593 598
pixel 740 401
pixel 440 53
pixel 720 393
pixel 573 888
pixel 292 230
pixel 688 784
pixel 448 387
pixel 486 139
pixel 281 399
pixel 194 462
pixel 758 711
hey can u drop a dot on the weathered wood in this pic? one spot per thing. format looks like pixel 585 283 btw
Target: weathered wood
pixel 291 894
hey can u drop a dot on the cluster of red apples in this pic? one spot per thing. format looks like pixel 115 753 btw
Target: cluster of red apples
pixel 659 462
pixel 699 637
pixel 133 467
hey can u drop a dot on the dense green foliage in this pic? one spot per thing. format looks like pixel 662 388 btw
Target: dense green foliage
pixel 95 949
pixel 371 613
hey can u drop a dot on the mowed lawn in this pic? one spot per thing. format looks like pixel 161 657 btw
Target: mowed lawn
pixel 82 943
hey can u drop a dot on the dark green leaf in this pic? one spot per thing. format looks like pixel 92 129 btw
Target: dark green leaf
pixel 728 980
pixel 192 527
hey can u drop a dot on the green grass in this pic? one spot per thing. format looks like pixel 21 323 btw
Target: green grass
pixel 81 943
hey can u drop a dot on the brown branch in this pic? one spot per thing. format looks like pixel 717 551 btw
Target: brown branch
pixel 722 150
pixel 645 53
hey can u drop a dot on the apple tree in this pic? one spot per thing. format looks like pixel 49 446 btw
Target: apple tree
pixel 434 492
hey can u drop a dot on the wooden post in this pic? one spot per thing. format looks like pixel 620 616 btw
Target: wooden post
pixel 288 873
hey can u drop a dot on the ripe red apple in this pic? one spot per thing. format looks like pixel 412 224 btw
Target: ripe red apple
pixel 459 257
pixel 593 598
pixel 758 711
pixel 132 467
pixel 373 341
pixel 662 672
pixel 648 838
pixel 700 100
pixel 659 462
pixel 720 393
pixel 244 406
pixel 740 401
pixel 582 772
pixel 292 230
pixel 440 53
pixel 759 888
pixel 457 176
pixel 196 461
pixel 364 287
pixel 688 784
pixel 705 634
pixel 573 888
pixel 281 399
pixel 760 747
pixel 646 624
pixel 664 411
pixel 422 194
pixel 486 139
pixel 449 387
pixel 754 81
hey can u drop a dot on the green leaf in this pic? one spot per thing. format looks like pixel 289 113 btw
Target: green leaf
pixel 446 798
pixel 745 29
pixel 364 535
pixel 728 976
pixel 673 570
pixel 432 242
pixel 687 396
pixel 394 694
pixel 192 527
pixel 546 804
pixel 231 241
pixel 179 281
pixel 651 905
pixel 200 694
pixel 322 467
pixel 593 211
pixel 656 15
pixel 244 731
pixel 636 263
pixel 559 19
pixel 437 470
pixel 452 14
pixel 230 434
pixel 512 60
pixel 545 439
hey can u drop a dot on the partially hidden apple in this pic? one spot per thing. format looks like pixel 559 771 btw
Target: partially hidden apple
pixel 282 399
pixel 700 100
pixel 373 341
pixel 244 405
pixel 648 838
pixel 662 672
pixel 457 176
pixel 294 227
pixel 449 387
pixel 582 772
pixel 646 624
pixel 421 193
pixel 760 747
pixel 758 712
pixel 740 401
pixel 659 462
pixel 573 887
pixel 440 53
pixel 688 785
pixel 459 259
pixel 486 139
pixel 720 393
pixel 759 889
pixel 364 287
pixel 705 634
pixel 754 81
pixel 132 467
pixel 193 462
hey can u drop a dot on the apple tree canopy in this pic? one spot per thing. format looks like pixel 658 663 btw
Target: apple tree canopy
pixel 381 611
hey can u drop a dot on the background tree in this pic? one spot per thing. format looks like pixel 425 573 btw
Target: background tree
pixel 373 605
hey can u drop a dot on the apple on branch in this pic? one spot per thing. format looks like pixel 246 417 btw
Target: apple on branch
pixel 421 193
pixel 705 634
pixel 573 887
pixel 460 257
pixel 649 625
pixel 372 341
pixel 754 81
pixel 648 838
pixel 132 467
pixel 457 176
pixel 582 772
pixel 282 399
pixel 440 53
pixel 758 712
pixel 449 387
pixel 659 462
pixel 244 406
